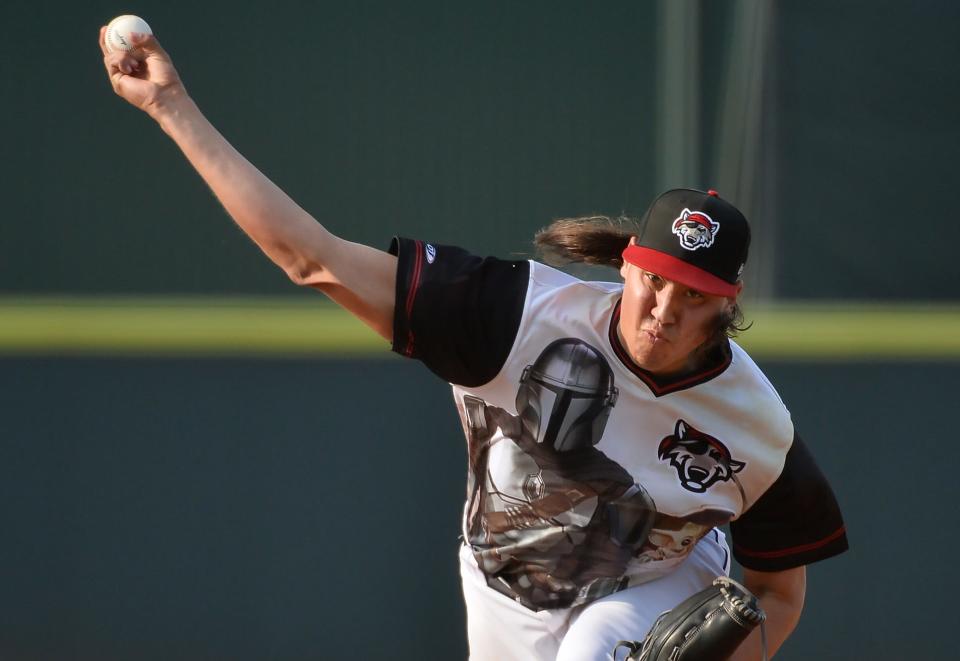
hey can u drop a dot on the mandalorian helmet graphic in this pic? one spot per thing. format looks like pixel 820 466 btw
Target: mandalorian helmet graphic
pixel 566 395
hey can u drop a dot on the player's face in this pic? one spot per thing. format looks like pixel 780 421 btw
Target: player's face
pixel 663 323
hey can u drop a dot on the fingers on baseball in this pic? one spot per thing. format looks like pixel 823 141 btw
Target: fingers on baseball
pixel 118 62
pixel 145 44
pixel 145 41
pixel 121 62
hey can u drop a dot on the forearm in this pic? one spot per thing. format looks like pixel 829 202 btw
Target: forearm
pixel 288 235
pixel 780 623
pixel 782 602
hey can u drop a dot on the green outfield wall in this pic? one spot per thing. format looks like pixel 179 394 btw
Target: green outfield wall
pixel 224 508
pixel 309 326
pixel 475 124
pixel 198 461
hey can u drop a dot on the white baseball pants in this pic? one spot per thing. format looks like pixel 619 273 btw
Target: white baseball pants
pixel 499 629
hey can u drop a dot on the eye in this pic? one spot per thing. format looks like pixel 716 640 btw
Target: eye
pixel 654 279
pixel 694 294
pixel 715 455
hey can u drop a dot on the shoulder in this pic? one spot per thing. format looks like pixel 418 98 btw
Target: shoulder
pixel 550 278
pixel 754 400
pixel 743 368
pixel 556 295
pixel 557 307
pixel 455 311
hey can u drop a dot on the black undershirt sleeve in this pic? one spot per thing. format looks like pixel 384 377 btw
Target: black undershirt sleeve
pixel 797 521
pixel 456 312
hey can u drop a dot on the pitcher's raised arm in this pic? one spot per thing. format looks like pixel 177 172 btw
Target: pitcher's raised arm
pixel 358 277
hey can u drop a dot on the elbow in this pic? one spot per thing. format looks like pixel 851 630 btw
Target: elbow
pixel 307 262
pixel 306 272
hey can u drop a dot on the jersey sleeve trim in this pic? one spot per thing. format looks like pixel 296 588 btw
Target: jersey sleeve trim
pixel 412 293
pixel 793 550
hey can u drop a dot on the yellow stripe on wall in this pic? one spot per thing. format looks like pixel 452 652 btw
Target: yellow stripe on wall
pixel 182 326
pixel 850 331
pixel 252 326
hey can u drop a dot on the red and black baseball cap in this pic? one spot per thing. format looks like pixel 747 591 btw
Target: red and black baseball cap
pixel 695 238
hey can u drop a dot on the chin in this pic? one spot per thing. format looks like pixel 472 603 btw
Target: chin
pixel 657 364
pixel 645 360
pixel 657 368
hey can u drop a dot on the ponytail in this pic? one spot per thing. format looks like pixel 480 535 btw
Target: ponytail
pixel 598 240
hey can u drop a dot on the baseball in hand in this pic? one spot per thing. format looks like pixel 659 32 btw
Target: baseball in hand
pixel 120 29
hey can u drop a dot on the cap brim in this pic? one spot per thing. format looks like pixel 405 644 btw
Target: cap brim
pixel 678 270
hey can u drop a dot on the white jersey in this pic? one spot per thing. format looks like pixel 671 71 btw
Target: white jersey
pixel 738 406
pixel 587 474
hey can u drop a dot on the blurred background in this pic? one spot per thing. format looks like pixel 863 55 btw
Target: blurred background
pixel 199 461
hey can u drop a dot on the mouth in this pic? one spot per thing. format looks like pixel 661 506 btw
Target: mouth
pixel 653 336
pixel 697 474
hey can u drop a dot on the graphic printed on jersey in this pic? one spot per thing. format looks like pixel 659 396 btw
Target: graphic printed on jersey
pixel 695 229
pixel 700 459
pixel 671 538
pixel 552 520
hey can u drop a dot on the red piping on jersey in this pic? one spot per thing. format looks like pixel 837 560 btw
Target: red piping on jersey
pixel 412 294
pixel 664 387
pixel 793 550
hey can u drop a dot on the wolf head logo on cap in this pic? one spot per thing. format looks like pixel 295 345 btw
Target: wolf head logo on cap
pixel 674 229
pixel 695 229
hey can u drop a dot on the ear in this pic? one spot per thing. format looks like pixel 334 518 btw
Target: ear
pixel 732 300
pixel 736 466
pixel 625 268
pixel 680 431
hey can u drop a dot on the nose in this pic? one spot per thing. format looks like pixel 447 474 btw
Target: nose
pixel 666 309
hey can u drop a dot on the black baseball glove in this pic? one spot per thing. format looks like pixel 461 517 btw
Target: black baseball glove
pixel 708 626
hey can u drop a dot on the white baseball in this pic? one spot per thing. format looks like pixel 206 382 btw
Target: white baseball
pixel 120 29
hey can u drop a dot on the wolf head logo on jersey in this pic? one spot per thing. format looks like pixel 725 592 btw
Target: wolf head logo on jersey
pixel 695 229
pixel 700 459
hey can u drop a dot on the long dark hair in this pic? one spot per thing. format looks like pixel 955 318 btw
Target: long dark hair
pixel 600 241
